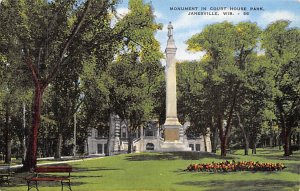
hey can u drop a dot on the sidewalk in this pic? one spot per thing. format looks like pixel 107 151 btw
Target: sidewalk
pixel 54 162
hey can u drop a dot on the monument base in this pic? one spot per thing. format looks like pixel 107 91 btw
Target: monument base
pixel 173 147
pixel 172 129
pixel 173 137
pixel 171 134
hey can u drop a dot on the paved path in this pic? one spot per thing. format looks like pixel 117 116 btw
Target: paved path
pixel 54 162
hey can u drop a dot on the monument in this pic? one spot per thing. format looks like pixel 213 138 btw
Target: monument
pixel 149 138
pixel 173 130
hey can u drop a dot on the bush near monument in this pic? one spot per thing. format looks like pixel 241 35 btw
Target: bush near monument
pixel 235 166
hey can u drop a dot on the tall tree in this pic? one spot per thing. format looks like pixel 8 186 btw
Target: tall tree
pixel 227 48
pixel 14 81
pixel 255 103
pixel 282 47
pixel 47 31
pixel 65 102
pixel 136 69
pixel 191 100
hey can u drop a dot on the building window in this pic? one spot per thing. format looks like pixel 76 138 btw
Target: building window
pixel 192 146
pixel 197 147
pixel 99 133
pixel 123 132
pixel 149 130
pixel 136 134
pixel 105 149
pixel 100 149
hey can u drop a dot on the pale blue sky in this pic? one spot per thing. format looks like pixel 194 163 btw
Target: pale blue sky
pixel 186 25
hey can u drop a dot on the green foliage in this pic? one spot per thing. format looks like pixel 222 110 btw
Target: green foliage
pixel 191 100
pixel 237 81
pixel 53 38
pixel 281 44
pixel 134 77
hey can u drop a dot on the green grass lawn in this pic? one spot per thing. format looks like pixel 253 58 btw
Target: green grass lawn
pixel 157 171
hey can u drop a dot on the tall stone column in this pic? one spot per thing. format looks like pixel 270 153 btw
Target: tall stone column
pixel 172 124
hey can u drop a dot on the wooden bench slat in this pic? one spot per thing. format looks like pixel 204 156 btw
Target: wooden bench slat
pixel 40 170
pixel 49 178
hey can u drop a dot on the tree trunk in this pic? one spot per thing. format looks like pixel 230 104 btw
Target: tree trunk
pixel 23 141
pixel 287 141
pixel 285 130
pixel 111 136
pixel 254 148
pixel 214 142
pixel 31 155
pixel 246 138
pixel 286 135
pixel 298 140
pixel 74 136
pixel 223 146
pixel 8 151
pixel 222 136
pixel 246 147
pixel 279 143
pixel 271 141
pixel 129 139
pixel 7 136
pixel 205 144
pixel 59 144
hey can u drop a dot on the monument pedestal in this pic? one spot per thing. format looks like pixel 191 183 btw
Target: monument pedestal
pixel 173 147
pixel 171 131
pixel 173 137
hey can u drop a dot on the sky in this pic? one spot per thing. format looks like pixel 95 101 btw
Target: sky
pixel 186 25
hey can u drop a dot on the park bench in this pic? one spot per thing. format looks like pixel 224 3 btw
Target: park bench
pixel 45 173
pixel 5 173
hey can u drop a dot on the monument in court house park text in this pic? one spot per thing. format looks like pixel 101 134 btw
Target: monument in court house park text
pixel 173 130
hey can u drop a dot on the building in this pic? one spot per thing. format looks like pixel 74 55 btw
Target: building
pixel 146 139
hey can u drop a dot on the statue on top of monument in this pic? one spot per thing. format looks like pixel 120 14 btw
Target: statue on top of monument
pixel 170 30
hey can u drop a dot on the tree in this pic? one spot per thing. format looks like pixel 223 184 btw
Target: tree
pixel 95 110
pixel 227 48
pixel 48 33
pixel 136 69
pixel 65 102
pixel 14 84
pixel 255 102
pixel 132 92
pixel 191 100
pixel 282 47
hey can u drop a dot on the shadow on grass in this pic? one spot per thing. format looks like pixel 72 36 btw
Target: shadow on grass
pixel 293 168
pixel 94 169
pixel 258 185
pixel 19 181
pixel 86 176
pixel 273 155
pixel 184 155
pixel 292 158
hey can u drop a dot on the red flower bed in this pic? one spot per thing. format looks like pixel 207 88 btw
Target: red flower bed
pixel 235 166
